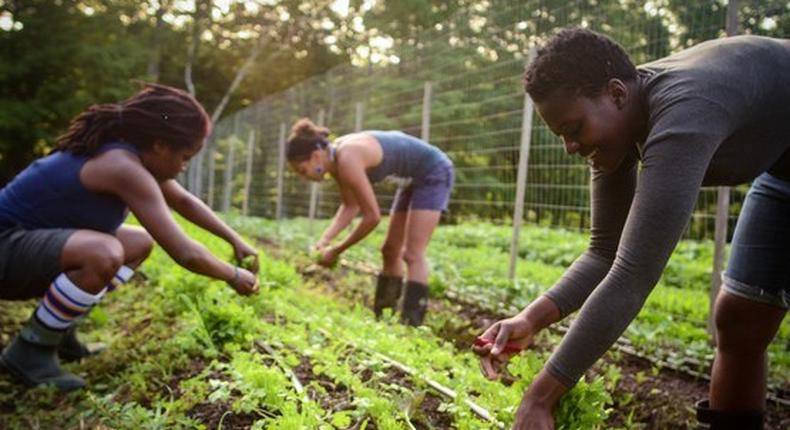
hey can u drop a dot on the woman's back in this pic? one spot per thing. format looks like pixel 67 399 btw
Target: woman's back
pixel 404 156
pixel 741 85
pixel 50 194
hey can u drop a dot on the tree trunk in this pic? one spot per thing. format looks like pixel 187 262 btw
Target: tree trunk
pixel 245 69
pixel 201 7
pixel 156 40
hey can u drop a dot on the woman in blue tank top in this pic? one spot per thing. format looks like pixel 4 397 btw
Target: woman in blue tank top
pixel 61 232
pixel 355 161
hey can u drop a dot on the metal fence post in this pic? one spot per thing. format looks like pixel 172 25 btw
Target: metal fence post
pixel 227 189
pixel 358 118
pixel 198 184
pixel 189 177
pixel 315 188
pixel 521 178
pixel 722 205
pixel 427 94
pixel 245 206
pixel 281 171
pixel 212 171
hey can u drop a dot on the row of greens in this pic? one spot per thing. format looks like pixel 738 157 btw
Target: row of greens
pixel 186 352
pixel 469 263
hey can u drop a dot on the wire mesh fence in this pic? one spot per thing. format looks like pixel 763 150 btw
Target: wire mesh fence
pixel 467 74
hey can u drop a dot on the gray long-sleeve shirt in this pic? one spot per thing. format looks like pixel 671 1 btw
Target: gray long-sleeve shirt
pixel 719 114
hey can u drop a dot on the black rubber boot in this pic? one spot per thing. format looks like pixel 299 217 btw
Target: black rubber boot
pixel 388 290
pixel 415 303
pixel 32 357
pixel 719 420
pixel 71 349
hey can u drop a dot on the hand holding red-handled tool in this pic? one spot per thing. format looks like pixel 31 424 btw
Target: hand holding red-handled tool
pixel 501 341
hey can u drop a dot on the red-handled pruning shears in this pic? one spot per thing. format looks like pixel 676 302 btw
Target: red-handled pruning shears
pixel 510 347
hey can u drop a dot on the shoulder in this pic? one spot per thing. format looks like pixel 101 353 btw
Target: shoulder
pixel 117 159
pixel 113 169
pixel 357 147
pixel 355 140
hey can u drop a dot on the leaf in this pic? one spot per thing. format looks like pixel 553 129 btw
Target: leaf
pixel 341 419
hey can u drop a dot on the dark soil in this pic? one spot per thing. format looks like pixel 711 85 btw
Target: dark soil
pixel 212 414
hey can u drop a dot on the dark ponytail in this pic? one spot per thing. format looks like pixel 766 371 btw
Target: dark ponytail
pixel 156 113
pixel 305 138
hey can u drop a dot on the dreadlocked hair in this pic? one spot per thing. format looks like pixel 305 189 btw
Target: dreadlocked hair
pixel 157 113
pixel 305 138
pixel 577 60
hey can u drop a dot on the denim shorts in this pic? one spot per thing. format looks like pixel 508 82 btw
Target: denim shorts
pixel 759 265
pixel 431 192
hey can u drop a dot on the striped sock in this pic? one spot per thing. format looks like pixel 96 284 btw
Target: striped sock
pixel 123 276
pixel 63 302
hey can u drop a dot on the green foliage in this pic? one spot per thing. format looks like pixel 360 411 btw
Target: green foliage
pixel 58 64
pixel 469 262
pixel 68 55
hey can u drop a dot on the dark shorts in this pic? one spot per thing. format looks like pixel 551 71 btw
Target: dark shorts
pixel 29 261
pixel 431 192
pixel 759 266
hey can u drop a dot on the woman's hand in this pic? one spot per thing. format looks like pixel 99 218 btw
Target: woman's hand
pixel 329 257
pixel 246 255
pixel 320 245
pixel 500 342
pixel 537 406
pixel 244 282
pixel 533 416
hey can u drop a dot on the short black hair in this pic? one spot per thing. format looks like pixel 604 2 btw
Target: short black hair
pixel 577 60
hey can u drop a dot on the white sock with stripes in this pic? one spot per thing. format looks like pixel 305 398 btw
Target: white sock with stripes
pixel 123 276
pixel 63 302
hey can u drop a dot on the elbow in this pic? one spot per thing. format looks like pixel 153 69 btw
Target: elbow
pixel 373 219
pixel 605 255
pixel 179 204
pixel 604 248
pixel 186 257
pixel 351 210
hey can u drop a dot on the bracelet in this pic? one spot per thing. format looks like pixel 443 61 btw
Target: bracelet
pixel 235 275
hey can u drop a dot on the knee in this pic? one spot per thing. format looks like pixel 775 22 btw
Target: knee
pixel 412 256
pixel 735 333
pixel 143 245
pixel 391 251
pixel 105 257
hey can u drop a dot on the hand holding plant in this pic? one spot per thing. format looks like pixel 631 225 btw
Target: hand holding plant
pixel 246 256
pixel 320 245
pixel 328 257
pixel 244 282
pixel 500 342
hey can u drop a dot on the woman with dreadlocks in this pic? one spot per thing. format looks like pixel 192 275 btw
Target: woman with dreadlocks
pixel 61 233
pixel 425 175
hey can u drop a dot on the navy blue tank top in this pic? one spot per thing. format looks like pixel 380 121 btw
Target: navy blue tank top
pixel 49 194
pixel 404 156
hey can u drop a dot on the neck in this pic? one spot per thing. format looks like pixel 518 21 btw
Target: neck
pixel 331 160
pixel 639 110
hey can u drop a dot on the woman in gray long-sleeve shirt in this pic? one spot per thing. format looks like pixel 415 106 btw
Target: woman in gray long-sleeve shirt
pixel 714 114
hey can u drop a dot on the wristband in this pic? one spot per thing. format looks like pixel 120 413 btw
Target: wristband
pixel 235 275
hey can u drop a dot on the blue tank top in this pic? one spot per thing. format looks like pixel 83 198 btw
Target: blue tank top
pixel 49 194
pixel 404 156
